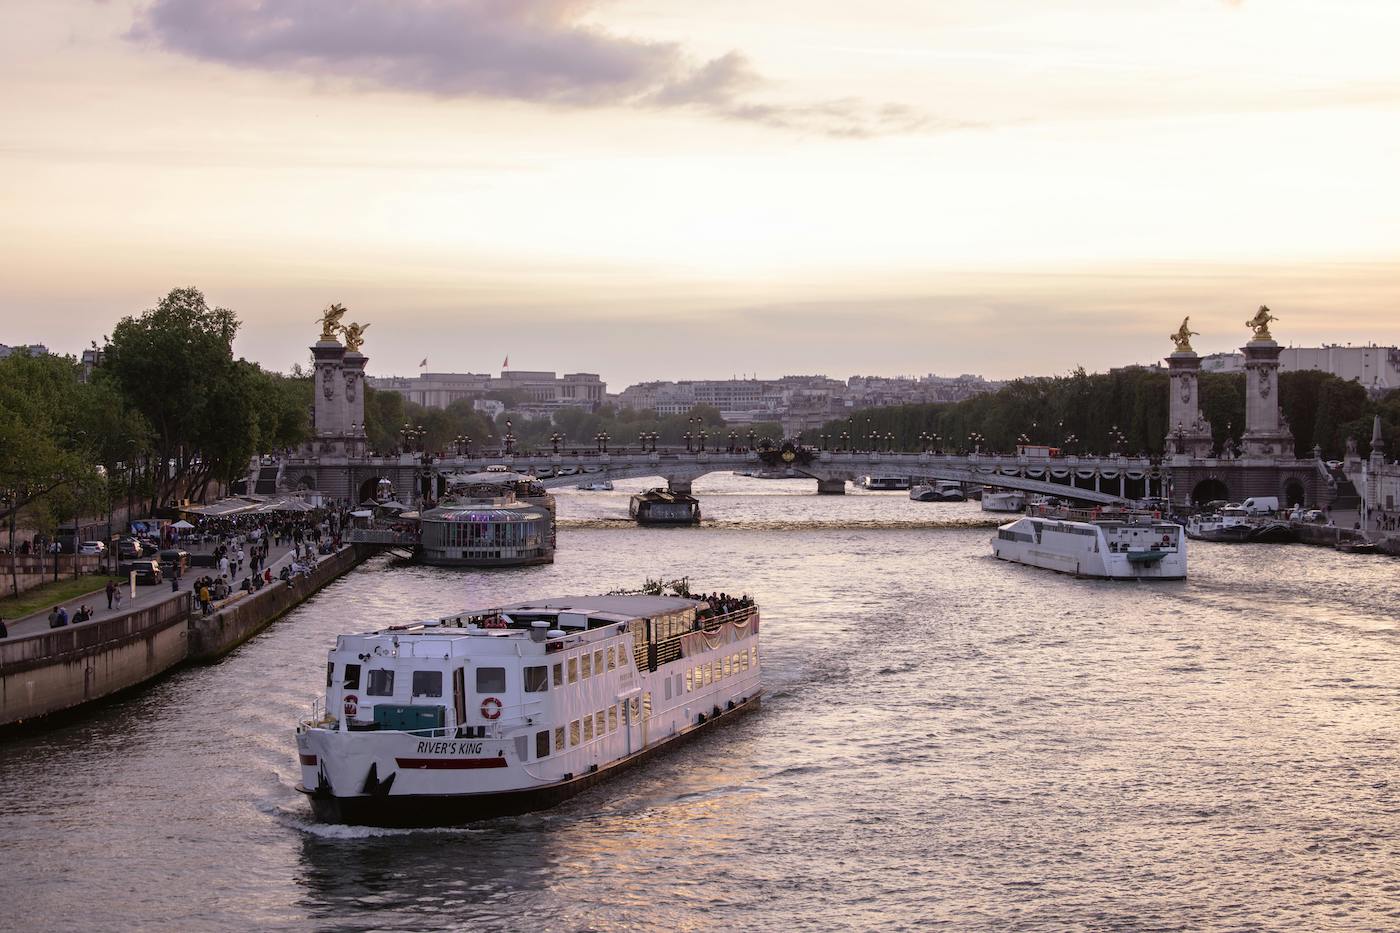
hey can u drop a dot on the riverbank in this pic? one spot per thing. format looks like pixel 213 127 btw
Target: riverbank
pixel 58 672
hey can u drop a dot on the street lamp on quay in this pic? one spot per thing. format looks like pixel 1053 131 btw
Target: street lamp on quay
pixel 601 439
pixel 556 439
pixel 889 441
pixel 925 439
pixel 975 441
pixel 509 439
pixel 752 435
pixel 460 442
pixel 687 440
pixel 733 441
pixel 650 437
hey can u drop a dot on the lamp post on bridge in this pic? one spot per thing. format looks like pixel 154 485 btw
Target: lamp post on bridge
pixel 751 438
pixel 733 441
pixel 889 441
pixel 1117 439
pixel 975 441
pixel 556 439
pixel 509 439
pixel 821 441
pixel 704 435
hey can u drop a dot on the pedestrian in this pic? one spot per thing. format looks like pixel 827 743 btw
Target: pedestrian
pixel 57 618
pixel 111 591
pixel 4 632
pixel 204 599
pixel 117 597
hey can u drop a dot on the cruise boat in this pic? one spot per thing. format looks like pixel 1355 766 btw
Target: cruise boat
pixel 500 711
pixel 597 485
pixel 939 491
pixel 1230 524
pixel 1115 544
pixel 1003 500
pixel 884 483
pixel 664 507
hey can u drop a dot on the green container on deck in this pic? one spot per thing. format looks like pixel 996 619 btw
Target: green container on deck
pixel 408 718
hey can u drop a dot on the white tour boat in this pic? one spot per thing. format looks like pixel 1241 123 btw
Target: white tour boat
pixel 884 483
pixel 1003 500
pixel 501 711
pixel 1106 543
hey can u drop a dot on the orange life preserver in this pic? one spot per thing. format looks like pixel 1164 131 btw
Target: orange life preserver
pixel 1166 539
pixel 352 704
pixel 490 708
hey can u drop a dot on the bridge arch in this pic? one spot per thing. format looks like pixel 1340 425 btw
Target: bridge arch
pixel 1209 490
pixel 1294 492
pixel 370 487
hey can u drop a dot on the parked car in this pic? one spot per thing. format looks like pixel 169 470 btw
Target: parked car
pixel 174 561
pixel 147 570
pixel 129 549
pixel 93 547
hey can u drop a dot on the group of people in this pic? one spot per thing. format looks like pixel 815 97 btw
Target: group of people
pixel 59 617
pixel 722 604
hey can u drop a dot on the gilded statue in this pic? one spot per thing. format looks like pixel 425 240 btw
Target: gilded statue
pixel 1182 338
pixel 330 321
pixel 1260 323
pixel 354 336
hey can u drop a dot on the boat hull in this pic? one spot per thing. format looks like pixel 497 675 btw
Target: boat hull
pixel 432 810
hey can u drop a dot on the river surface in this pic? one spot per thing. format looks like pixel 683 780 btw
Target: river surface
pixel 945 741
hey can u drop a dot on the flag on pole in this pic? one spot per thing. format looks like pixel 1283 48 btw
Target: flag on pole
pixel 506 364
pixel 424 363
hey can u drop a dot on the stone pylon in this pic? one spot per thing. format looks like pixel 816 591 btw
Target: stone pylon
pixel 331 409
pixel 1266 435
pixel 1188 431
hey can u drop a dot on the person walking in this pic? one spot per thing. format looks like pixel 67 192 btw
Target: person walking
pixel 4 632
pixel 111 591
pixel 117 597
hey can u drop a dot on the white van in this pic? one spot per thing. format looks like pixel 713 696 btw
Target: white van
pixel 1260 505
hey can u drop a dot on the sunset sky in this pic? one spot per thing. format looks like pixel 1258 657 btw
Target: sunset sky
pixel 666 189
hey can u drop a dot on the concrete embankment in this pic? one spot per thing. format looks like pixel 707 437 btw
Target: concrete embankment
pixel 64 669
pixel 1325 535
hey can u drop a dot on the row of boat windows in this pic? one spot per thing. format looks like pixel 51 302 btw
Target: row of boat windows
pixel 589 664
pixel 380 681
pixel 1005 535
pixel 594 726
pixel 705 674
pixel 482 534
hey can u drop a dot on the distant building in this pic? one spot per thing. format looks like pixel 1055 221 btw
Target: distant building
pixel 33 349
pixel 542 392
pixel 1375 367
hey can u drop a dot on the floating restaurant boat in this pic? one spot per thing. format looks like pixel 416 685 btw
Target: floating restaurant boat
pixel 664 507
pixel 939 491
pixel 597 485
pixel 501 711
pixel 491 519
pixel 884 483
pixel 1003 500
pixel 1117 544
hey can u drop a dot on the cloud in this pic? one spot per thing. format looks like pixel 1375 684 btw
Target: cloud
pixel 541 51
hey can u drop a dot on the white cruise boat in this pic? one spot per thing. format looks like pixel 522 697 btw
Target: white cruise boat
pixel 1103 543
pixel 1003 500
pixel 495 712
pixel 884 483
pixel 1231 523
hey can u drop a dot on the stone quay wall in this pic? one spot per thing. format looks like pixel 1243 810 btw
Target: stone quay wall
pixel 33 570
pixel 65 668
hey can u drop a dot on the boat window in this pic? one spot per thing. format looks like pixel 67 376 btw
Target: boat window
pixel 559 739
pixel 744 660
pixel 636 707
pixel 381 683
pixel 598 661
pixel 536 679
pixel 559 675
pixel 542 744
pixel 612 718
pixel 427 683
pixel 330 673
pixel 573 670
pixel 689 680
pixel 352 677
pixel 573 733
pixel 459 694
pixel 600 719
pixel 612 658
pixel 587 660
pixel 490 680
pixel 588 728
pixel 646 705
pixel 668 688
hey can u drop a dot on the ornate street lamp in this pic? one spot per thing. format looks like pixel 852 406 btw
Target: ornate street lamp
pixel 751 437
pixel 975 440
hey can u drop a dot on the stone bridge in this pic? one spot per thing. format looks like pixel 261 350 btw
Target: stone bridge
pixel 1102 480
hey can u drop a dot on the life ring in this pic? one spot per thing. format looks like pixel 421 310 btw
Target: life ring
pixel 1166 539
pixel 1156 516
pixel 352 704
pixel 490 708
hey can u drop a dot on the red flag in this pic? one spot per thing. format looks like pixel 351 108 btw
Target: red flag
pixel 506 364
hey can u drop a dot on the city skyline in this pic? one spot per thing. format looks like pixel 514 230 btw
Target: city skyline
pixel 766 188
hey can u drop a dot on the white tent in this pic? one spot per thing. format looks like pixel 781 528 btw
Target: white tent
pixel 182 525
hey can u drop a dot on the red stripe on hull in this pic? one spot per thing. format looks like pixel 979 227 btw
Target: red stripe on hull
pixel 449 764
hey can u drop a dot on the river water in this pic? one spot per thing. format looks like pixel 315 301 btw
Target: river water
pixel 945 741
